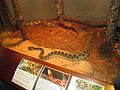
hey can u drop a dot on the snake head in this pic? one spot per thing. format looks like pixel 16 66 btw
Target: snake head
pixel 31 48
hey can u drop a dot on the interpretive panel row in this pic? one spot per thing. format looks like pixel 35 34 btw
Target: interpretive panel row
pixel 35 76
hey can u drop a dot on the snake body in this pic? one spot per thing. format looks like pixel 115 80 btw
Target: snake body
pixel 49 23
pixel 71 57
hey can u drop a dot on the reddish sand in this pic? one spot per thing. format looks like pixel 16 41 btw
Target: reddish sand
pixel 57 38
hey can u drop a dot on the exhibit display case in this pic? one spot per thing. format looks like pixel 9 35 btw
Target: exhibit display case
pixel 78 37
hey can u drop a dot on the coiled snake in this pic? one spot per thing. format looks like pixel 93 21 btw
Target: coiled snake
pixel 71 57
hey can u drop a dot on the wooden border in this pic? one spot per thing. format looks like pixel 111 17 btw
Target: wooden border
pixel 10 59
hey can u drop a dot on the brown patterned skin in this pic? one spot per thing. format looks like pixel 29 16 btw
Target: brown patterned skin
pixel 71 57
pixel 50 24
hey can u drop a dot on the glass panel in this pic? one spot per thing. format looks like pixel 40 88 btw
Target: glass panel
pixel 37 9
pixel 87 9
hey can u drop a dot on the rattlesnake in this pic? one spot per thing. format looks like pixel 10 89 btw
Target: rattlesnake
pixel 71 57
pixel 49 23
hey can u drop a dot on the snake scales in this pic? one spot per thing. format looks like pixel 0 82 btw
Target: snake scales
pixel 49 23
pixel 71 57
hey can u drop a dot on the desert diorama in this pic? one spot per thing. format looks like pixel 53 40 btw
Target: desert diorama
pixel 90 46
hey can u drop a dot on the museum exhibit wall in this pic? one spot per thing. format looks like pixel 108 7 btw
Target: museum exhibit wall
pixel 87 9
pixel 46 9
pixel 37 9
